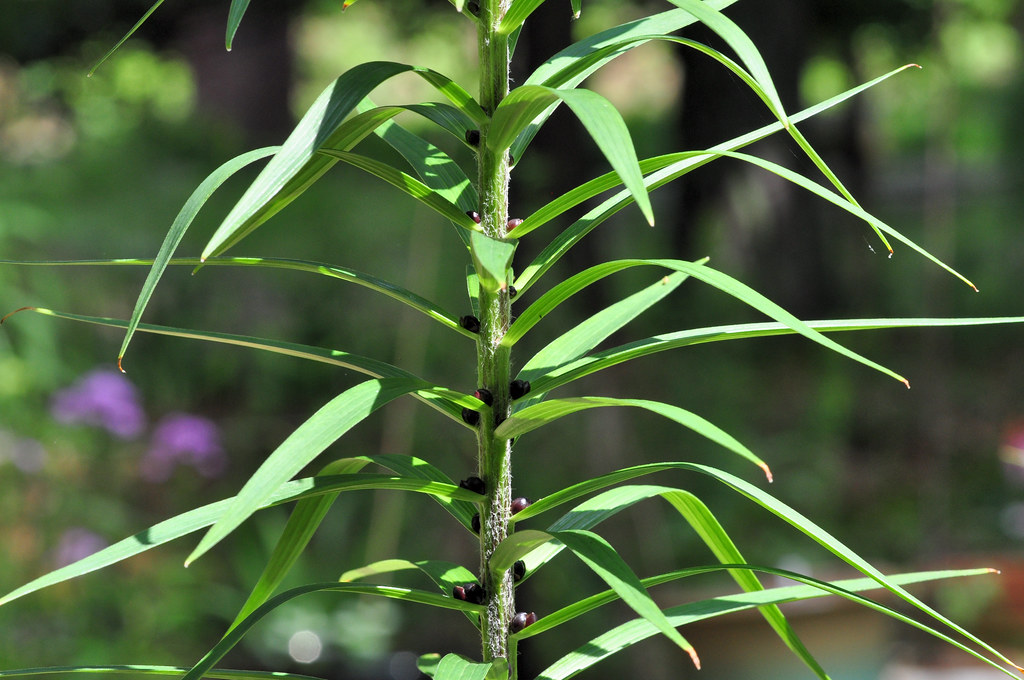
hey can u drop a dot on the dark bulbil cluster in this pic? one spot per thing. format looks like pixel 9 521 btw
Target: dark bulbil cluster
pixel 519 504
pixel 518 571
pixel 470 323
pixel 521 620
pixel 519 388
pixel 474 484
pixel 472 593
pixel 473 137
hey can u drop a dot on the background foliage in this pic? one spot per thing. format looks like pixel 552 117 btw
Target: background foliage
pixel 100 167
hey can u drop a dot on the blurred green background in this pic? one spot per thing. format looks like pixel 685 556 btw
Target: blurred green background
pixel 98 167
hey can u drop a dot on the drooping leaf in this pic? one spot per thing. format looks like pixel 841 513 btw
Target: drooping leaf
pixel 366 365
pixel 235 14
pixel 584 366
pixel 538 415
pixel 321 430
pixel 599 117
pixel 666 172
pixel 749 296
pixel 628 634
pixel 561 70
pixel 768 597
pixel 177 231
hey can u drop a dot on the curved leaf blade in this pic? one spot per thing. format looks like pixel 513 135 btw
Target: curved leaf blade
pixel 408 185
pixel 234 636
pixel 299 163
pixel 599 117
pixel 538 415
pixel 630 633
pixel 124 38
pixel 177 231
pixel 365 365
pixel 321 430
pixel 204 516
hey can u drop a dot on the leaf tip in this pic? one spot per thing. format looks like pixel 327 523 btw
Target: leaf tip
pixel 5 317
pixel 993 570
pixel 905 382
pixel 693 657
pixel 914 66
pixel 767 472
pixel 120 357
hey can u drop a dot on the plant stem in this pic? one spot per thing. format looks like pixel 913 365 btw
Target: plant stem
pixel 493 360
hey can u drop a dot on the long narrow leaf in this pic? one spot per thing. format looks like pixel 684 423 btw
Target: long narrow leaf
pixel 602 559
pixel 176 671
pixel 405 594
pixel 599 117
pixel 177 231
pixel 204 516
pixel 547 302
pixel 562 70
pixel 124 38
pixel 321 430
pixel 554 251
pixel 630 633
pixel 660 343
pixel 303 522
pixel 538 415
pixel 365 365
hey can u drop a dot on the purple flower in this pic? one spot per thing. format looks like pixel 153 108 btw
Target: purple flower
pixel 76 544
pixel 103 399
pixel 183 439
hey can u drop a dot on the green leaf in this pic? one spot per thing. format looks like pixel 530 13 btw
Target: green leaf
pixel 409 185
pixel 304 444
pixel 416 468
pixel 664 172
pixel 599 117
pixel 235 14
pixel 748 295
pixel 302 524
pixel 177 231
pixel 177 671
pixel 366 365
pixel 455 667
pixel 491 258
pixel 577 8
pixel 583 337
pixel 630 633
pixel 563 70
pixel 734 36
pixel 547 302
pixel 602 559
pixel 538 415
pixel 518 12
pixel 298 164
pixel 204 516
pixel 427 663
pixel 234 636
pixel 124 39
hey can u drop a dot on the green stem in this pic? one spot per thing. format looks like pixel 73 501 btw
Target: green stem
pixel 493 360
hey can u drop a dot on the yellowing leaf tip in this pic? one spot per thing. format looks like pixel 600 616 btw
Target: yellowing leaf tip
pixel 693 657
pixel 767 472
